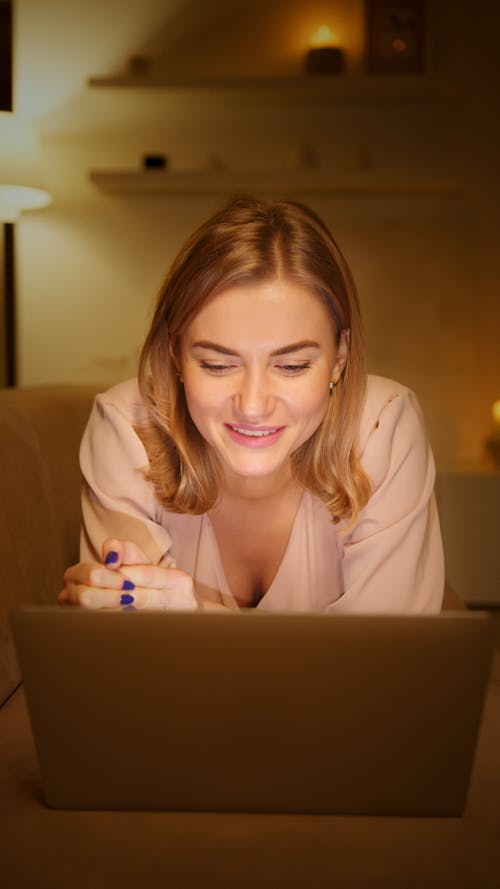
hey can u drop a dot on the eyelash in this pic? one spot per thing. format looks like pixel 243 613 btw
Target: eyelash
pixel 288 369
pixel 214 368
pixel 293 369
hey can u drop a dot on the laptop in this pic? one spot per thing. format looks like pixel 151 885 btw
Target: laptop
pixel 255 712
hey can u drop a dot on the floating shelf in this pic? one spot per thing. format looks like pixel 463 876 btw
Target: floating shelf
pixel 208 182
pixel 337 88
pixel 159 81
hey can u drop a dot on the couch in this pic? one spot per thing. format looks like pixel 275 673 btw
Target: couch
pixel 39 519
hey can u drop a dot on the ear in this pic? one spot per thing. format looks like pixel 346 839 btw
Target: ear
pixel 175 360
pixel 174 357
pixel 342 355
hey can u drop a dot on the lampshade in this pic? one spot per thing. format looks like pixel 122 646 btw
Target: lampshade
pixel 21 180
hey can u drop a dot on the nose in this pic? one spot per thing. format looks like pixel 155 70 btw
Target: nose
pixel 254 400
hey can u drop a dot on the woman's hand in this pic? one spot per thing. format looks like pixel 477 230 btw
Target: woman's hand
pixel 126 578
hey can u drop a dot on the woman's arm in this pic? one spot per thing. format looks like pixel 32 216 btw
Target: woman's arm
pixel 393 558
pixel 117 501
pixel 125 551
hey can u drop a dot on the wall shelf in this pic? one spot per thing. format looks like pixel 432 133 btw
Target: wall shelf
pixel 209 182
pixel 335 88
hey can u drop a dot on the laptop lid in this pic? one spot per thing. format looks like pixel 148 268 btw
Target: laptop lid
pixel 255 712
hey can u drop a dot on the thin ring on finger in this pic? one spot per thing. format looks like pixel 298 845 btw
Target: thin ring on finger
pixel 145 598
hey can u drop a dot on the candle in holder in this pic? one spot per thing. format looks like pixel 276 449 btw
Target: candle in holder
pixel 323 57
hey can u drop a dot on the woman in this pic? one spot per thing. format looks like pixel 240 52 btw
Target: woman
pixel 255 464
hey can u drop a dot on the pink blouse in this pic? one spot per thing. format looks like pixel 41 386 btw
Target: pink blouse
pixel 391 561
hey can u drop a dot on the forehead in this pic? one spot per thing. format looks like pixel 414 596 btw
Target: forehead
pixel 267 311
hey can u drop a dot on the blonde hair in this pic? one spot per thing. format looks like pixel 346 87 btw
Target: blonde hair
pixel 251 241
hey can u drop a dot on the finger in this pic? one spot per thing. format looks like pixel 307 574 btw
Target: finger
pixel 63 597
pixel 139 598
pixel 96 597
pixel 88 597
pixel 93 597
pixel 158 578
pixel 117 552
pixel 93 574
pixel 144 598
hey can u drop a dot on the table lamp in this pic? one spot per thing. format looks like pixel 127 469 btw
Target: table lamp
pixel 21 188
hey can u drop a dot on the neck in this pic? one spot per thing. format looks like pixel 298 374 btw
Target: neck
pixel 243 488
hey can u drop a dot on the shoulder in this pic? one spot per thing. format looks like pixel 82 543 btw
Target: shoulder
pixel 126 399
pixel 392 427
pixel 380 393
pixel 388 403
pixel 110 437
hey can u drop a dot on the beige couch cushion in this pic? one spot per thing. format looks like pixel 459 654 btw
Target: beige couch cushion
pixel 40 430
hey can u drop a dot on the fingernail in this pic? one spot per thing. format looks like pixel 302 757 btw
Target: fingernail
pixel 111 558
pixel 128 585
pixel 126 599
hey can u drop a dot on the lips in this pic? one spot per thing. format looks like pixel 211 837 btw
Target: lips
pixel 254 436
pixel 251 431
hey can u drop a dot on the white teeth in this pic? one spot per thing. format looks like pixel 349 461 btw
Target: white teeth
pixel 255 433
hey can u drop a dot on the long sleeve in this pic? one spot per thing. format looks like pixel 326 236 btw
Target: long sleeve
pixel 117 501
pixel 393 558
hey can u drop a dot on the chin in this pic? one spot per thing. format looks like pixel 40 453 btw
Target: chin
pixel 257 468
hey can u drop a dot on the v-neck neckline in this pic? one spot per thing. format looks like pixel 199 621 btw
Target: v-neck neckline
pixel 219 567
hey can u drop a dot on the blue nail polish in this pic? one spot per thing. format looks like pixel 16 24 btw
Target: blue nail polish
pixel 126 599
pixel 128 585
pixel 111 558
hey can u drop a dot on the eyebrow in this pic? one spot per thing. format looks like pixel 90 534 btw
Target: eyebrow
pixel 283 350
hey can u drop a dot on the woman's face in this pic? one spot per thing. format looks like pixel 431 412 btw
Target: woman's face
pixel 257 362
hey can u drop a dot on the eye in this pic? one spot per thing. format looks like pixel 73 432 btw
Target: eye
pixel 213 368
pixel 294 369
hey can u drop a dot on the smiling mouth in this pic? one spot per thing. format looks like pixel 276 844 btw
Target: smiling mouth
pixel 255 433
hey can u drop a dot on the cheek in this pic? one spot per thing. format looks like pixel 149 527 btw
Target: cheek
pixel 202 401
pixel 312 405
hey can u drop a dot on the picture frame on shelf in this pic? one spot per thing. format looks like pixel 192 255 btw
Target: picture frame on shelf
pixel 396 36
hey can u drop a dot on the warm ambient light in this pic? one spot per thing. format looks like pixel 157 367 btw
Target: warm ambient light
pixel 21 181
pixel 324 36
pixel 493 442
pixel 495 414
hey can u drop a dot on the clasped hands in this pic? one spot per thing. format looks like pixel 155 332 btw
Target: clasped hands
pixel 126 578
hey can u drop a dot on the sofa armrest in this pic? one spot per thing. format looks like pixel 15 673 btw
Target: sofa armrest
pixel 40 431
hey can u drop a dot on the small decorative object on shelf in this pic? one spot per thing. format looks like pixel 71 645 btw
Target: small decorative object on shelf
pixel 155 162
pixel 493 443
pixel 323 57
pixel 139 66
pixel 395 36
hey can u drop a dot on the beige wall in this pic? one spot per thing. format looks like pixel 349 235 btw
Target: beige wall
pixel 427 268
